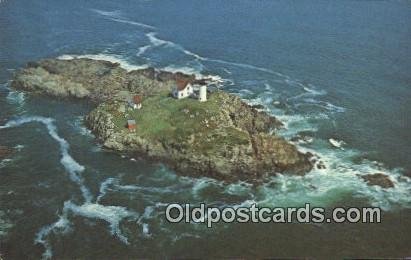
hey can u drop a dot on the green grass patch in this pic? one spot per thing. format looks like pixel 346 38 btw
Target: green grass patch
pixel 165 118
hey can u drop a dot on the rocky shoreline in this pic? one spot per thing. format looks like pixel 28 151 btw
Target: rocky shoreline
pixel 223 138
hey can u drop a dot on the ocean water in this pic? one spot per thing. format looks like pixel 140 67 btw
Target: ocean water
pixel 333 70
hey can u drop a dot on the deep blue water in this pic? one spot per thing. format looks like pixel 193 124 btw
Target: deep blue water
pixel 338 69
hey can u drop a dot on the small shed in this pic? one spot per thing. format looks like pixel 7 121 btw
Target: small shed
pixel 131 124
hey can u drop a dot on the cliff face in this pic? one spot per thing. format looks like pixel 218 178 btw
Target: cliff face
pixel 222 138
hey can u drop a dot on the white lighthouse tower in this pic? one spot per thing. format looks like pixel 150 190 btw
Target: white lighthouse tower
pixel 202 96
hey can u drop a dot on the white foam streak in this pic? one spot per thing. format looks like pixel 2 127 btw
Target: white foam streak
pixel 322 104
pixel 243 65
pixel 16 98
pixel 143 49
pixel 111 214
pixel 133 23
pixel 72 167
pixel 62 224
pixel 156 42
pixel 104 187
pixel 159 42
pixel 117 16
pixel 78 125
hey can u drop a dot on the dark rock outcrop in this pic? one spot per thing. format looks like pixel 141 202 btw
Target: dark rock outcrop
pixel 378 179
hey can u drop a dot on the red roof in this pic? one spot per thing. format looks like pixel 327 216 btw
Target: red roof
pixel 131 124
pixel 138 99
pixel 181 84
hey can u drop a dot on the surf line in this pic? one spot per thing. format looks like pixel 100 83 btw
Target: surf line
pixel 72 167
pixel 88 209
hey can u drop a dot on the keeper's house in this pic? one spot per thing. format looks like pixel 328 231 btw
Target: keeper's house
pixel 182 89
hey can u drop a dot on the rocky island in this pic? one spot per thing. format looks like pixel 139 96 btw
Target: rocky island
pixel 223 138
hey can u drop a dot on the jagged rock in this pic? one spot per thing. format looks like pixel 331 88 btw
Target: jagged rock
pixel 321 165
pixel 257 106
pixel 303 137
pixel 379 179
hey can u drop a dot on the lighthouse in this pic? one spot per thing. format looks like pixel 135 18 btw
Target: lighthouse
pixel 202 96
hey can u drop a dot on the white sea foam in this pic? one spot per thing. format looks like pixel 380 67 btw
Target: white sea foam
pixel 308 92
pixel 159 42
pixel 66 57
pixel 16 98
pixel 321 187
pixel 19 147
pixel 341 177
pixel 314 91
pixel 117 16
pixel 143 49
pixel 78 125
pixel 297 123
pixel 107 57
pixel 115 13
pixel 156 42
pixel 324 187
pixel 152 36
pixel 104 187
pixel 215 79
pixel 149 213
pixel 72 167
pixel 62 224
pixel 149 190
pixel 111 214
pixel 322 104
pixel 227 71
pixel 336 143
pixel 5 162
pixel 132 23
pixel 243 65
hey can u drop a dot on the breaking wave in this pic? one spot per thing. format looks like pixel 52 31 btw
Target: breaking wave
pixel 107 57
pixel 111 214
pixel 16 98
pixel 215 79
pixel 117 16
pixel 78 125
pixel 72 167
pixel 142 50
pixel 155 41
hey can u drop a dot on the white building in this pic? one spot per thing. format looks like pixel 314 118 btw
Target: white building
pixel 202 94
pixel 182 89
pixel 137 101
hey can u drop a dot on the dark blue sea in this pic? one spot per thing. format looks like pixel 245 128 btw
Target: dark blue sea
pixel 338 72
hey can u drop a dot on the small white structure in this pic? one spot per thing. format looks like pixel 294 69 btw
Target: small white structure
pixel 135 103
pixel 183 89
pixel 202 95
pixel 137 99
